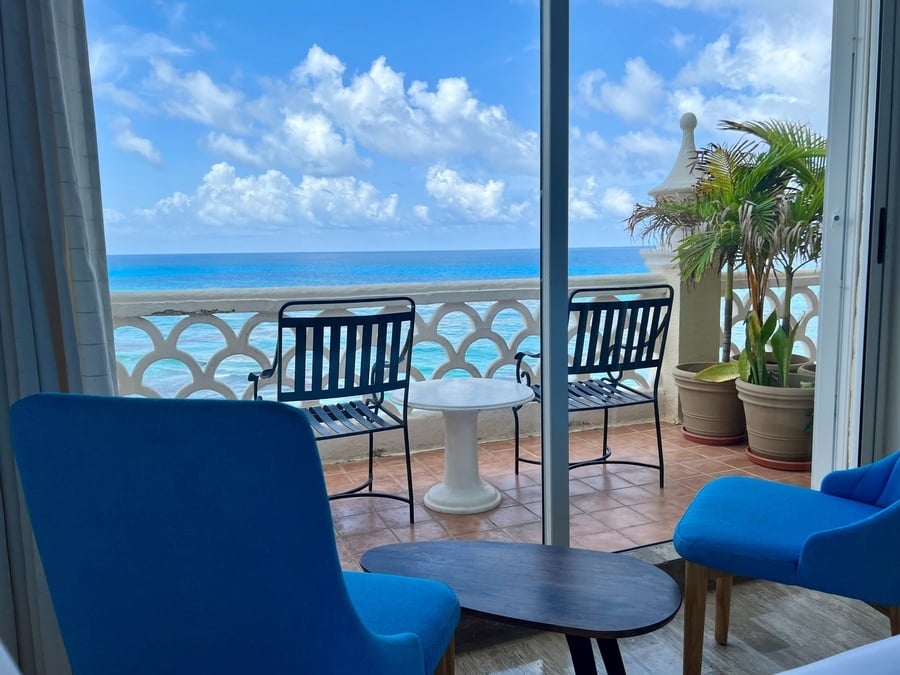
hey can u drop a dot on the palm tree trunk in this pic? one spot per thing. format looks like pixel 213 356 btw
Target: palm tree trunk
pixel 729 308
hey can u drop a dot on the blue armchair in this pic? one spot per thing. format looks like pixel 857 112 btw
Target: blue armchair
pixel 844 539
pixel 192 536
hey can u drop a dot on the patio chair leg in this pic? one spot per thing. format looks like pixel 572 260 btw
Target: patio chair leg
pixel 516 427
pixel 695 581
pixel 606 431
pixel 371 460
pixel 659 447
pixel 409 480
pixel 723 607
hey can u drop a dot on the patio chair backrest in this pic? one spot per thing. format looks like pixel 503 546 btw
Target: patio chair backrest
pixel 612 335
pixel 334 349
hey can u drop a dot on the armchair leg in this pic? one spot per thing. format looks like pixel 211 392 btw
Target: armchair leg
pixel 723 607
pixel 892 612
pixel 695 581
pixel 447 666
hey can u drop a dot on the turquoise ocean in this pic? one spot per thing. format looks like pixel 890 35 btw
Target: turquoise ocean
pixel 169 272
pixel 207 271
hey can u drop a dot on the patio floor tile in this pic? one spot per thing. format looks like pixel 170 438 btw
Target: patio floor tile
pixel 611 507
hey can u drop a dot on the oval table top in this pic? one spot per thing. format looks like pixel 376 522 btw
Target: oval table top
pixel 552 588
pixel 466 394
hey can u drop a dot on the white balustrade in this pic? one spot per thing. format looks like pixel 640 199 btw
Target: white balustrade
pixel 804 309
pixel 204 343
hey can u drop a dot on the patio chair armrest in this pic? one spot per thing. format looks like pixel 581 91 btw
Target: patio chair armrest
pixel 523 375
pixel 255 377
pixel 857 560
pixel 862 484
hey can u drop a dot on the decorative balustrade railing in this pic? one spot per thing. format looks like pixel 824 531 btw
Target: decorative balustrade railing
pixel 203 343
pixel 804 308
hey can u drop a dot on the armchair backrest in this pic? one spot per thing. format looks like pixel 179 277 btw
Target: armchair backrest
pixel 187 536
pixel 890 491
pixel 343 348
pixel 877 483
pixel 619 329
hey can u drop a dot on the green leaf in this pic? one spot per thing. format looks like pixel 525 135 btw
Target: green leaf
pixel 782 346
pixel 744 366
pixel 719 372
pixel 768 329
pixel 754 329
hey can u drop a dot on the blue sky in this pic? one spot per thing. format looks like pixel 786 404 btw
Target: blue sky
pixel 339 125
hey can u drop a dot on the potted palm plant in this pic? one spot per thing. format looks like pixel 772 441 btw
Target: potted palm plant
pixel 780 232
pixel 757 204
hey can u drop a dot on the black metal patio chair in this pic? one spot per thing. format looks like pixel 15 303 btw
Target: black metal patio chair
pixel 340 359
pixel 617 337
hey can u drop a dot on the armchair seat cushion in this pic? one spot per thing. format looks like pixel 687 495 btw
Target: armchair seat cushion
pixel 389 605
pixel 757 528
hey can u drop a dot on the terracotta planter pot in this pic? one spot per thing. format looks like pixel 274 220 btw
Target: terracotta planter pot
pixel 711 411
pixel 778 420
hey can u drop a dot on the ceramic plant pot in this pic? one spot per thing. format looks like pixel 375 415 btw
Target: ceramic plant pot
pixel 808 370
pixel 797 361
pixel 711 411
pixel 779 423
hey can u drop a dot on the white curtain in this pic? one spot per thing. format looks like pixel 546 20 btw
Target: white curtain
pixel 55 318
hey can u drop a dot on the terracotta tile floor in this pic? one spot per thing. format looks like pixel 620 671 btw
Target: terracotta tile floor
pixel 612 507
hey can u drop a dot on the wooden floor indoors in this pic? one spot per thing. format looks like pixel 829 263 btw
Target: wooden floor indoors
pixel 773 628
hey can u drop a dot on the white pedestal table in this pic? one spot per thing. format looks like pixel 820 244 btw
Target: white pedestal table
pixel 460 400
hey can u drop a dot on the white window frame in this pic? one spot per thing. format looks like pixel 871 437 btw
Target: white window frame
pixel 847 213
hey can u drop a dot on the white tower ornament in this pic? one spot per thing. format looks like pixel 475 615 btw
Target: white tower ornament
pixel 681 179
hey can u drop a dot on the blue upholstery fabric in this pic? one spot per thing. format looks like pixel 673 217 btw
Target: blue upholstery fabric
pixel 190 536
pixel 389 604
pixel 877 483
pixel 819 540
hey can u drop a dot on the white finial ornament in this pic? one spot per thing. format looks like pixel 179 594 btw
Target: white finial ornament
pixel 681 179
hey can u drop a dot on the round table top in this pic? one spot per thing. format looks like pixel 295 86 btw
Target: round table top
pixel 554 588
pixel 466 394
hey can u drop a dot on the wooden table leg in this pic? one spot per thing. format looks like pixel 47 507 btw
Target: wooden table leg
pixel 582 655
pixel 612 657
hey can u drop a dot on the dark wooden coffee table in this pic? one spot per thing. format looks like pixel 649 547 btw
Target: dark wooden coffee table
pixel 583 594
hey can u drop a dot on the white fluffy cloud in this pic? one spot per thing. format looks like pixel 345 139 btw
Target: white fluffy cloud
pixel 471 200
pixel 378 110
pixel 635 98
pixel 236 148
pixel 125 139
pixel 617 201
pixel 196 96
pixel 311 143
pixel 774 62
pixel 272 200
pixel 589 201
